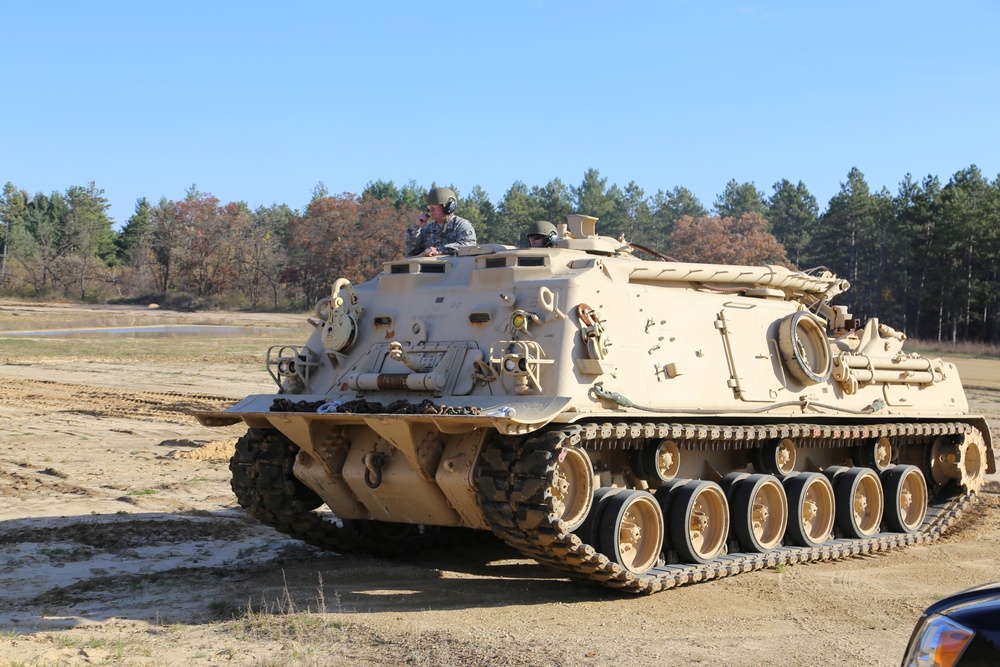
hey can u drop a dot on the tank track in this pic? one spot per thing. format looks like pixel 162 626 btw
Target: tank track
pixel 515 475
pixel 267 490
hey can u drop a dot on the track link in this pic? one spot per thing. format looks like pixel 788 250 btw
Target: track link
pixel 515 477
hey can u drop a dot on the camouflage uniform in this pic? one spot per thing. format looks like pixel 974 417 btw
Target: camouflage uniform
pixel 455 232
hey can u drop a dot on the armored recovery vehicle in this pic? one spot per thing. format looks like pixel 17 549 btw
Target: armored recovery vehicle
pixel 641 424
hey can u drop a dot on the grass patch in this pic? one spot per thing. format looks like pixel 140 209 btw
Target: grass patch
pixel 196 480
pixel 959 349
pixel 117 647
pixel 308 633
pixel 109 348
pixel 142 492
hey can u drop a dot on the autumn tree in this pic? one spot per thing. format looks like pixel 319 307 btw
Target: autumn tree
pixel 715 240
pixel 207 263
pixel 342 236
pixel 382 227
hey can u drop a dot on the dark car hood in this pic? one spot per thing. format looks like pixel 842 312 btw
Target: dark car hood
pixel 981 601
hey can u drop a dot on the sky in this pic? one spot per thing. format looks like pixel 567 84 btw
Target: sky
pixel 261 102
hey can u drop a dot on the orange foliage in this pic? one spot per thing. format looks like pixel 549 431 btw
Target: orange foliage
pixel 343 236
pixel 715 240
pixel 209 261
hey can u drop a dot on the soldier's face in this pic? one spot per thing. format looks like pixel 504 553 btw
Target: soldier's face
pixel 437 212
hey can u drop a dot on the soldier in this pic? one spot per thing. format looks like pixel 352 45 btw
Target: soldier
pixel 541 234
pixel 444 231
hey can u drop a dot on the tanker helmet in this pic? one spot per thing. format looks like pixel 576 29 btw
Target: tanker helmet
pixel 542 229
pixel 445 197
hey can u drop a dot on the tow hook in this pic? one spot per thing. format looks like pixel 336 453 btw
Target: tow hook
pixel 373 469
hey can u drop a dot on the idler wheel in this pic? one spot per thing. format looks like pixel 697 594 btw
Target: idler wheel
pixel 973 462
pixel 959 458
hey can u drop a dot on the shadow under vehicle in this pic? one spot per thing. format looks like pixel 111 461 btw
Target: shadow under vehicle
pixel 638 423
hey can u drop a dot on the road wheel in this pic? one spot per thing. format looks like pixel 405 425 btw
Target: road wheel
pixel 905 492
pixel 811 509
pixel 631 530
pixel 588 531
pixel 699 521
pixel 572 486
pixel 759 512
pixel 859 502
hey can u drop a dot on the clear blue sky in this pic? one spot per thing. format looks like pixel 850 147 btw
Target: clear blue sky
pixel 259 102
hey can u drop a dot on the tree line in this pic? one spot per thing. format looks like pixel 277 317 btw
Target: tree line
pixel 924 259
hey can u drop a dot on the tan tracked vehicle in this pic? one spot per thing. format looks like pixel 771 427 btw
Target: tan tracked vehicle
pixel 639 423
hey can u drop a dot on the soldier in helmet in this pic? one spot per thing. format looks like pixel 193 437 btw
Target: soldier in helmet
pixel 541 234
pixel 444 231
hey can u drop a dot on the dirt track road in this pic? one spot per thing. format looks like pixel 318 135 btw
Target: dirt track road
pixel 120 543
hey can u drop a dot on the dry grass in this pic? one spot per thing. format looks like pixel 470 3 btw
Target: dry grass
pixel 228 349
pixel 307 636
pixel 959 349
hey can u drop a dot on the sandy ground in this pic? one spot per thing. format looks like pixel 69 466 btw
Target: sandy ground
pixel 121 543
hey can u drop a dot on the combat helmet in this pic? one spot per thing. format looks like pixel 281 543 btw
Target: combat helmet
pixel 444 197
pixel 542 228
